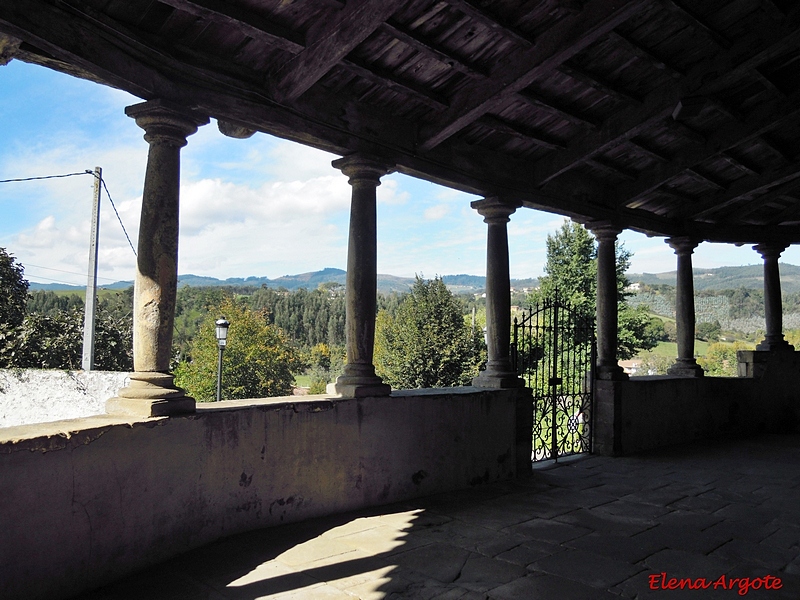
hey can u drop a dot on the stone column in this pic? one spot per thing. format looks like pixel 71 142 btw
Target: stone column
pixel 773 304
pixel 498 372
pixel 152 391
pixel 359 378
pixel 607 300
pixel 685 365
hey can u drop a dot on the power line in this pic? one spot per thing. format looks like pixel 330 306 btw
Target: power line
pixel 87 172
pixel 105 187
pixel 58 281
pixel 27 264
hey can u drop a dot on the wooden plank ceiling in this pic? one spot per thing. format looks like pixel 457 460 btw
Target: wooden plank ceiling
pixel 672 117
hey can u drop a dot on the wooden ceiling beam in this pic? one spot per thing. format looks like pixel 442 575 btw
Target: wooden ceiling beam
pixel 416 41
pixel 561 42
pixel 389 81
pixel 644 149
pixel 740 164
pixel 425 46
pixel 772 9
pixel 685 131
pixel 792 210
pixel 493 22
pixel 789 211
pixel 643 53
pixel 413 39
pixel 766 117
pixel 242 20
pixel 776 148
pixel 706 179
pixel 598 83
pixel 774 185
pixel 766 81
pixel 556 109
pixel 329 43
pixel 696 22
pixel 742 188
pixel 610 169
pixel 9 46
pixel 504 126
pixel 659 104
pixel 779 41
pixel 617 129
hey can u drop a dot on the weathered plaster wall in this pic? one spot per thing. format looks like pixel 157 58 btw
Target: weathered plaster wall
pixel 651 412
pixel 90 500
pixel 39 395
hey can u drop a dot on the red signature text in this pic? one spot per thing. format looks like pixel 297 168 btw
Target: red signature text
pixel 660 581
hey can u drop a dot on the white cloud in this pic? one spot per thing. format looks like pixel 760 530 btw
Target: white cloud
pixel 434 213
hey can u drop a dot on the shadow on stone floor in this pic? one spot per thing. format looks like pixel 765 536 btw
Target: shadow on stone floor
pixel 593 528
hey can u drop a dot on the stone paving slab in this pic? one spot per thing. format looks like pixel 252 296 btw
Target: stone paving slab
pixel 598 528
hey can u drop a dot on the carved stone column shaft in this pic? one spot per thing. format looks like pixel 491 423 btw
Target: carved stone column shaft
pixel 685 365
pixel 773 303
pixel 152 391
pixel 498 373
pixel 359 378
pixel 607 299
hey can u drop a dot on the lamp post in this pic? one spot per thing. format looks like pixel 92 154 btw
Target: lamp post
pixel 222 340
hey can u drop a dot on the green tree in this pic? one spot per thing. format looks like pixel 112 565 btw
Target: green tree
pixel 708 331
pixel 55 341
pixel 50 335
pixel 47 302
pixel 571 267
pixel 571 270
pixel 13 290
pixel 720 359
pixel 258 362
pixel 427 343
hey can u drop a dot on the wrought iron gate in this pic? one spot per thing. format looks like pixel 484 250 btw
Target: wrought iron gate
pixel 553 350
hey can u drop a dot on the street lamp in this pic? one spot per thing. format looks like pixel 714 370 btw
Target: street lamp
pixel 222 340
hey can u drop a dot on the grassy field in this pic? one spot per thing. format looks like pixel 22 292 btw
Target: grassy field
pixel 302 380
pixel 671 348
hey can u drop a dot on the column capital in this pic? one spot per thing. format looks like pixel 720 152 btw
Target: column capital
pixel 770 250
pixel 682 245
pixel 362 168
pixel 164 122
pixel 604 231
pixel 495 210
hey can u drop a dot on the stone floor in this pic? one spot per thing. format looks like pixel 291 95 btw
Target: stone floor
pixel 591 528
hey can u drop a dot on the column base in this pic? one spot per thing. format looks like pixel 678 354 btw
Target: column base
pixel 360 382
pixel 774 343
pixel 361 389
pixel 685 367
pixel 151 394
pixel 611 373
pixel 497 380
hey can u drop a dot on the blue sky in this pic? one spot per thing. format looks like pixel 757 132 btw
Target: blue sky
pixel 262 206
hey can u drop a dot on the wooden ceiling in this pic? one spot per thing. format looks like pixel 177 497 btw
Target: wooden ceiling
pixel 671 117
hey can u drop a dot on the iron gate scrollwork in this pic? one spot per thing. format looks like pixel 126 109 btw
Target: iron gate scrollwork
pixel 553 350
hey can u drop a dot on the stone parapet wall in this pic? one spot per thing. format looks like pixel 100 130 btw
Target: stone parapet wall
pixel 88 501
pixel 644 413
pixel 41 395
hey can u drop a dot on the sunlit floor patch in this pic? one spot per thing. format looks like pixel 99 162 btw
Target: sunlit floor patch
pixel 339 563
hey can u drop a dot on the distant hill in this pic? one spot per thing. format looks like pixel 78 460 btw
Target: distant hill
pixel 726 278
pixel 722 278
pixel 386 283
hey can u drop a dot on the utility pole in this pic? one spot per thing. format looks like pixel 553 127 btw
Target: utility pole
pixel 91 287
